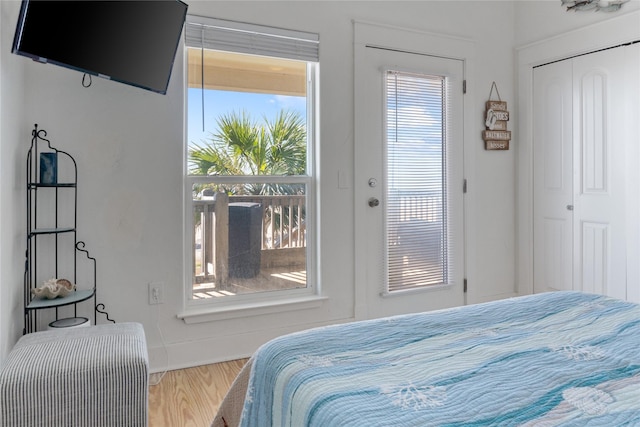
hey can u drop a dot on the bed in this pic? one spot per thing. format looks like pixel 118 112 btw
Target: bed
pixel 559 358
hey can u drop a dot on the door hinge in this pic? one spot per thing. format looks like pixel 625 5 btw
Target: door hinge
pixel 464 86
pixel 464 289
pixel 464 185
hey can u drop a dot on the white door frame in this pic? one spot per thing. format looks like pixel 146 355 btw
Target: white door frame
pixel 612 32
pixel 417 41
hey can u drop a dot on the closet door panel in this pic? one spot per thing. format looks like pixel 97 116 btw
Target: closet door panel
pixel 553 177
pixel 599 147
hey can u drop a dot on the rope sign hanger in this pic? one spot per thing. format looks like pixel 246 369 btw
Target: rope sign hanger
pixel 494 86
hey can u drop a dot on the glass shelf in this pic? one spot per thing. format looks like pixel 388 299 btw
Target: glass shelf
pixel 59 185
pixel 52 230
pixel 72 298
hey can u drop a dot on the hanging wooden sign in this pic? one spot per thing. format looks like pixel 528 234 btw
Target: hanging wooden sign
pixel 496 105
pixel 500 125
pixel 496 145
pixel 496 136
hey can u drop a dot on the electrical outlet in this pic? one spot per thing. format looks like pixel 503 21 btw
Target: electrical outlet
pixel 156 293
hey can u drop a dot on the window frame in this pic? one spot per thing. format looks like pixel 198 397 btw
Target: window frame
pixel 196 310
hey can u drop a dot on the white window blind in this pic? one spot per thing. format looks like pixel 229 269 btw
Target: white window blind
pixel 252 39
pixel 416 193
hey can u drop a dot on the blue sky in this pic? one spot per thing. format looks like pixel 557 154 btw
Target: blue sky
pixel 217 102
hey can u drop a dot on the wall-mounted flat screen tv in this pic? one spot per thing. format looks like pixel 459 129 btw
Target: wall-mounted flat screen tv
pixel 132 42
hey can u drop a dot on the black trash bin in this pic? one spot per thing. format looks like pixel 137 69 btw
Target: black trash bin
pixel 245 239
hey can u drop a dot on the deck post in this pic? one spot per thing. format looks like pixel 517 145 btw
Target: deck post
pixel 221 244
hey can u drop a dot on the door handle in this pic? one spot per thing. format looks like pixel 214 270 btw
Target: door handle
pixel 569 207
pixel 373 202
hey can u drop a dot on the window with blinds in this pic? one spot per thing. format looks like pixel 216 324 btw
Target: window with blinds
pixel 416 192
pixel 249 161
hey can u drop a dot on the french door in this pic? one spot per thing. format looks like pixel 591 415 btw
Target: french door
pixel 408 181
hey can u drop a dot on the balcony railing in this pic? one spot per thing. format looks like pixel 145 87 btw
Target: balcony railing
pixel 282 234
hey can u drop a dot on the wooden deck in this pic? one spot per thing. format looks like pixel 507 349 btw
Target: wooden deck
pixel 269 279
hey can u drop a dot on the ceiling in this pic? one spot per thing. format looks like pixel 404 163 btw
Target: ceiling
pixel 246 73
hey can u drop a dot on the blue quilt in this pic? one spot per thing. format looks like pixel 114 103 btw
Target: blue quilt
pixel 558 358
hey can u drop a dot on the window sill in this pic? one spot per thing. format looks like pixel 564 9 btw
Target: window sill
pixel 212 314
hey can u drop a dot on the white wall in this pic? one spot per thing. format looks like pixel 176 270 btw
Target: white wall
pixel 538 20
pixel 14 143
pixel 128 145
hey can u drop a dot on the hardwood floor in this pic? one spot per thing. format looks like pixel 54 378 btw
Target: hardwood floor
pixel 191 397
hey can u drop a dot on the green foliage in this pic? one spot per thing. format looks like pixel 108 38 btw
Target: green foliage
pixel 244 147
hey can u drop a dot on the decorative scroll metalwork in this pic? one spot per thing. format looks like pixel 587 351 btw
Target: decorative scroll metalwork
pixel 100 309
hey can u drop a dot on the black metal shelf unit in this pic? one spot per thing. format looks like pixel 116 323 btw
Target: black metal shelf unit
pixel 53 250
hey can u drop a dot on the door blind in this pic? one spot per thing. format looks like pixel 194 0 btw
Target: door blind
pixel 416 217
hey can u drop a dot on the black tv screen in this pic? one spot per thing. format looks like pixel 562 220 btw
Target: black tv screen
pixel 132 42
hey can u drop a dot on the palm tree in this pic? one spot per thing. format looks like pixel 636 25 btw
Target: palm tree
pixel 243 147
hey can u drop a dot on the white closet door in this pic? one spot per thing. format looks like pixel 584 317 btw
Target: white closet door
pixel 600 140
pixel 585 173
pixel 553 177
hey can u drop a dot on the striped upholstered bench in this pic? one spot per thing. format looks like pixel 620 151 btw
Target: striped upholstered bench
pixel 95 377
